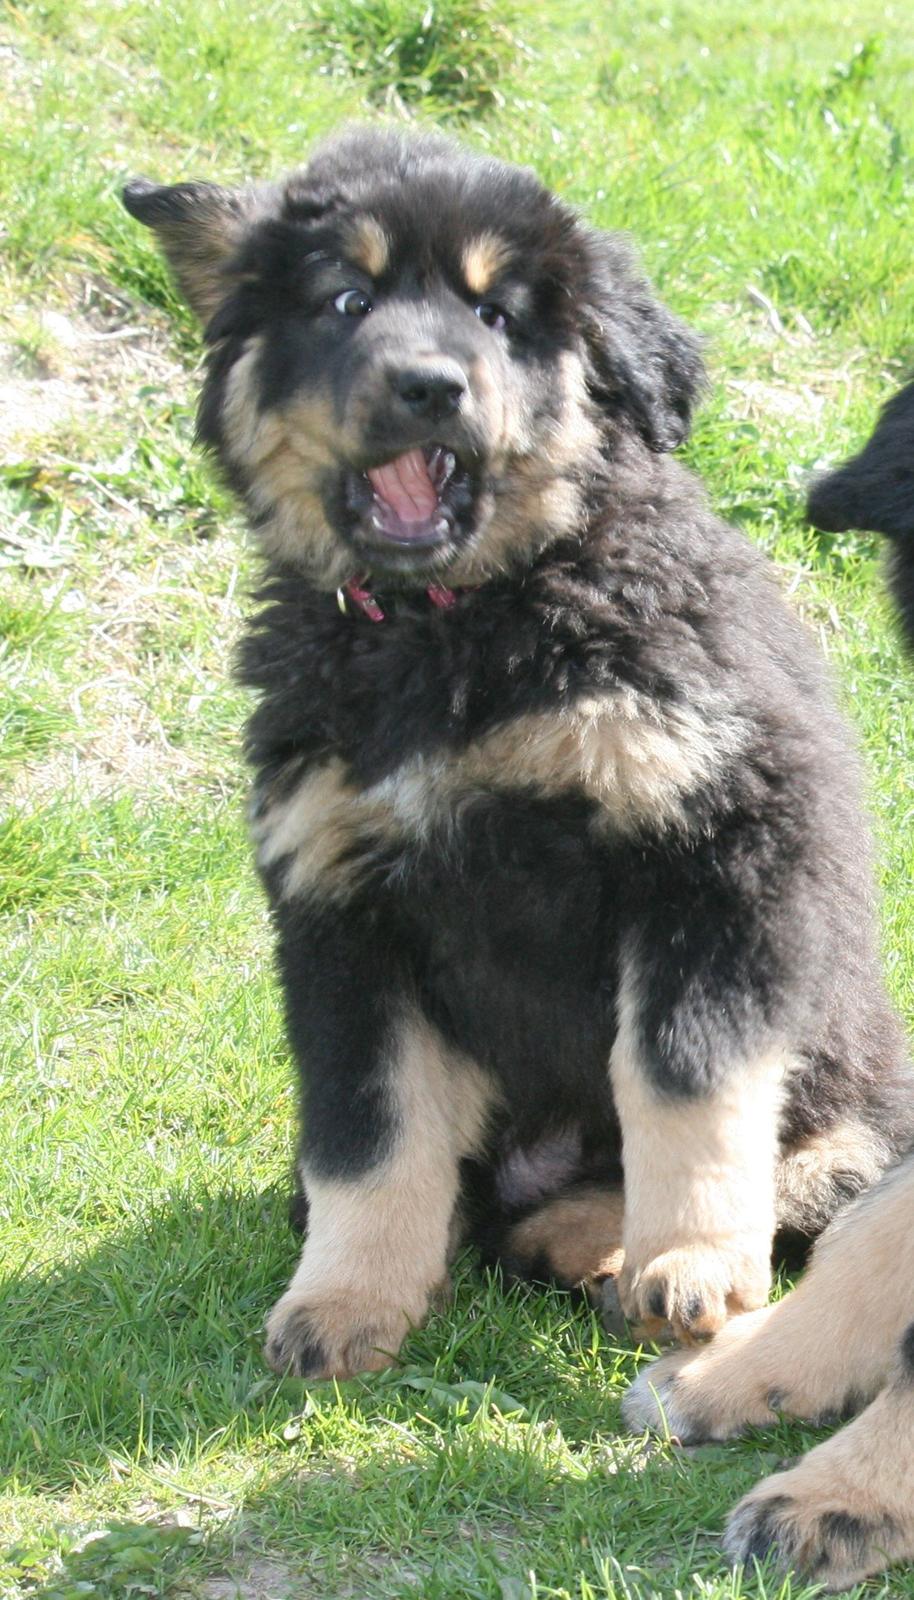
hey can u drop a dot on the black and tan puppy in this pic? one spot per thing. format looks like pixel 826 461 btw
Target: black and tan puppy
pixel 844 1340
pixel 559 824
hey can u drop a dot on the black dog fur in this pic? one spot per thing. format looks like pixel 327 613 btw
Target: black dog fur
pixel 567 860
pixel 875 491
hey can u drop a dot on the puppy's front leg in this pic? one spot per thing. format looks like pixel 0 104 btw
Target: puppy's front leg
pixel 389 1112
pixel 699 1186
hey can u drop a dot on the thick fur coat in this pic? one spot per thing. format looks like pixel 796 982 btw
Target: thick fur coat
pixel 561 829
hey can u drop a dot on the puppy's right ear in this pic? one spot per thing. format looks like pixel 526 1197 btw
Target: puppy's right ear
pixel 200 227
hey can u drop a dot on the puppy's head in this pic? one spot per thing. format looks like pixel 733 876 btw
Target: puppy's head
pixel 420 356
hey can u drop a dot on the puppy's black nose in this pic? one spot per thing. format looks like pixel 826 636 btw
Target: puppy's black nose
pixel 433 390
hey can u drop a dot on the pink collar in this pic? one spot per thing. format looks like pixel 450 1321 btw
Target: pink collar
pixel 353 595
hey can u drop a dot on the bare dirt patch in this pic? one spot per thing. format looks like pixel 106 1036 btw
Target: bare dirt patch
pixel 60 365
pixel 262 1580
pixel 150 597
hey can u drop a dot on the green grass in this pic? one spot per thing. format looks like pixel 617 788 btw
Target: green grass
pixel 450 58
pixel 764 161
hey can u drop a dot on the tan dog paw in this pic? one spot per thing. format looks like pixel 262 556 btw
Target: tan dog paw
pixel 694 1289
pixel 309 1336
pixel 715 1392
pixel 793 1521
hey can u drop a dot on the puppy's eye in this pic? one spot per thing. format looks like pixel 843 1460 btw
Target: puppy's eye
pixel 352 303
pixel 492 315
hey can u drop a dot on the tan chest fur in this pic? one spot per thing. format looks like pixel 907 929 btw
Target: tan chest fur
pixel 637 762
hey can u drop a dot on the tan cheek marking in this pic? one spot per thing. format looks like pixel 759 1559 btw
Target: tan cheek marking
pixel 537 477
pixel 367 245
pixel 278 446
pixel 283 453
pixel 484 258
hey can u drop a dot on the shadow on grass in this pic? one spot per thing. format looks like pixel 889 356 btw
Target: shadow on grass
pixel 146 1344
pixel 477 1517
pixel 491 1452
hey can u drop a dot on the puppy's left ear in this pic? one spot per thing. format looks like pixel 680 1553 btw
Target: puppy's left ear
pixel 647 365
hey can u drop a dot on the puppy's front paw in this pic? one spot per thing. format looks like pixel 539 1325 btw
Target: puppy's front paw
pixel 804 1525
pixel 715 1392
pixel 692 1290
pixel 314 1336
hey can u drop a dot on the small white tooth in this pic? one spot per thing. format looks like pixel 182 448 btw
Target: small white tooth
pixel 442 525
pixel 377 521
pixel 450 462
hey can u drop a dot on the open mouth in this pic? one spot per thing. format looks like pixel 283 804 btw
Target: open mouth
pixel 419 501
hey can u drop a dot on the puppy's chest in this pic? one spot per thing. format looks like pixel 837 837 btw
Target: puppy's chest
pixel 559 786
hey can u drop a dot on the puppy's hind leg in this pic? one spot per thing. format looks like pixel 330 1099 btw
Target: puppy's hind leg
pixel 573 1239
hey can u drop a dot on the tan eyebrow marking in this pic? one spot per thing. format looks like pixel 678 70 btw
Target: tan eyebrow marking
pixel 483 259
pixel 367 245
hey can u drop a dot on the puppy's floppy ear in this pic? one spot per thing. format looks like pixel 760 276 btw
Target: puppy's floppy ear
pixel 647 365
pixel 200 227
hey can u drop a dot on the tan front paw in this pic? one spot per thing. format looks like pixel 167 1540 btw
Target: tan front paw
pixel 714 1392
pixel 694 1289
pixel 824 1531
pixel 332 1336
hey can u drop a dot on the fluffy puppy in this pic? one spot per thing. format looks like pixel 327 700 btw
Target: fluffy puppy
pixel 844 1340
pixel 560 827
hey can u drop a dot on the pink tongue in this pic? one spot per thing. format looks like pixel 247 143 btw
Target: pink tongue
pixel 405 486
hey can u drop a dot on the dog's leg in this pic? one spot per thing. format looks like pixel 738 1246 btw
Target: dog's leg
pixel 825 1349
pixel 378 1241
pixel 574 1239
pixel 389 1112
pixel 699 1187
pixel 846 1510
